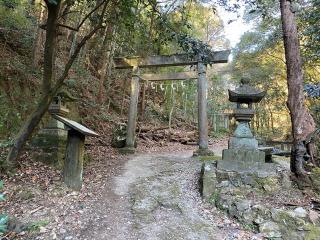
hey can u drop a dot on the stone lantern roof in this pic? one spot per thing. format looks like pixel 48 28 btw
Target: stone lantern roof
pixel 246 93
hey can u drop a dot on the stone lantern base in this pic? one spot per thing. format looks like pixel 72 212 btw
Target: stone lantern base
pixel 50 145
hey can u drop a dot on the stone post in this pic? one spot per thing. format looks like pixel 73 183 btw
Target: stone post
pixel 202 106
pixel 132 118
pixel 73 165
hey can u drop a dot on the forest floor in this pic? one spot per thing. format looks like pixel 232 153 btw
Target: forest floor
pixel 153 194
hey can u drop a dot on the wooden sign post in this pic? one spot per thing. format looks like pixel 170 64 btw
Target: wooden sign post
pixel 73 162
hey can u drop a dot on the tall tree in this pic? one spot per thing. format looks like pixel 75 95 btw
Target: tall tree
pixel 302 122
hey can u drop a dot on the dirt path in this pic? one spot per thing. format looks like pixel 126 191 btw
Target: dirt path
pixel 148 196
pixel 156 197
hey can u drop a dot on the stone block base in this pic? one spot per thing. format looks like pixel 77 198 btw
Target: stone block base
pixel 203 152
pixel 243 143
pixel 246 161
pixel 260 201
pixel 49 146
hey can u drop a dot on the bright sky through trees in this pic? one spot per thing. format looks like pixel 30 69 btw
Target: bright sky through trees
pixel 234 26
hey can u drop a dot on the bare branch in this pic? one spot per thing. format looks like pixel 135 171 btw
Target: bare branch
pixel 77 50
pixel 68 27
pixel 92 11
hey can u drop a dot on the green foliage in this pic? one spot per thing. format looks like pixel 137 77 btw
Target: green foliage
pixel 3 217
pixel 194 47
pixel 5 144
pixel 1 195
pixel 216 200
pixel 3 223
pixel 10 3
pixel 220 133
pixel 35 226
pixel 15 17
pixel 250 227
pixel 311 32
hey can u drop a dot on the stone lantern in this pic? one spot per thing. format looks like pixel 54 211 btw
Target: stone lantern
pixel 50 142
pixel 242 154
pixel 244 96
pixel 57 107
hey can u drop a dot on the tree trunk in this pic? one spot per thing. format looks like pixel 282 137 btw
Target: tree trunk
pixel 105 55
pixel 37 45
pixel 302 122
pixel 50 46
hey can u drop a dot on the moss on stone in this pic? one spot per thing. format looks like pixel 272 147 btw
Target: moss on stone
pixel 216 200
pixel 315 178
pixel 250 227
pixel 313 232
pixel 268 184
pixel 210 158
pixel 203 152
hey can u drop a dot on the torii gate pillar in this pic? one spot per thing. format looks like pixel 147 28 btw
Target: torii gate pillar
pixel 202 111
pixel 133 108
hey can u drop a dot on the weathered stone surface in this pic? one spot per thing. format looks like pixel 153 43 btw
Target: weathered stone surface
pixel 300 212
pixel 208 179
pixel 54 123
pixel 261 214
pixel 243 131
pixel 49 146
pixel 313 232
pixel 162 205
pixel 243 205
pixel 243 143
pixel 313 216
pixel 168 60
pixel 246 161
pixel 119 136
pixel 169 76
pixel 242 195
pixel 270 230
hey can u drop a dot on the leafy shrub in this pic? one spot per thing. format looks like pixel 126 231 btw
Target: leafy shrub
pixel 3 217
pixel 36 226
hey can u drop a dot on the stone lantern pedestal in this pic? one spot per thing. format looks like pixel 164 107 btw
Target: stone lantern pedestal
pixel 50 143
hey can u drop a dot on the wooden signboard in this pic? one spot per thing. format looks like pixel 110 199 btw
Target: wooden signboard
pixel 73 162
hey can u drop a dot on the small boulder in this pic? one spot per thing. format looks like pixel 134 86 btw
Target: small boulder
pixel 270 230
pixel 300 212
pixel 243 205
pixel 314 216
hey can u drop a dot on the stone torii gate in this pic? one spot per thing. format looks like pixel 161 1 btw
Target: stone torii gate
pixel 135 63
